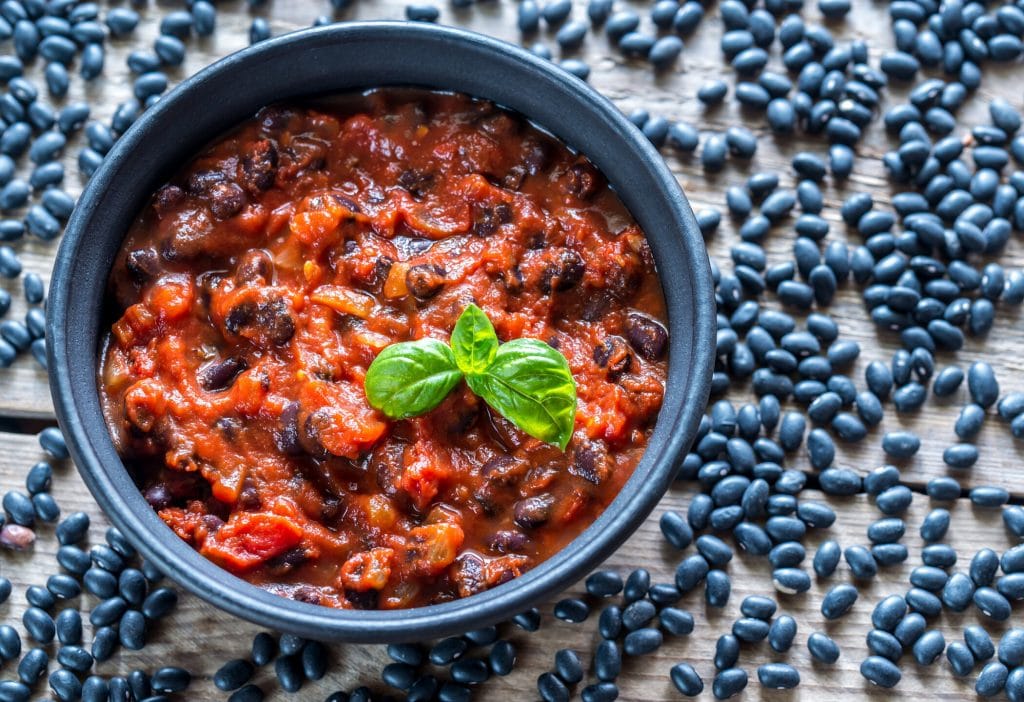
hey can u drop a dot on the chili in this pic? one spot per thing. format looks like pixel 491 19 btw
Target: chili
pixel 256 287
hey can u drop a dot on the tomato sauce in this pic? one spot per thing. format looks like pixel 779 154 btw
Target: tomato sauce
pixel 257 286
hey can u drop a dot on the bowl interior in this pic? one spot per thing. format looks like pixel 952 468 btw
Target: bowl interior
pixel 344 58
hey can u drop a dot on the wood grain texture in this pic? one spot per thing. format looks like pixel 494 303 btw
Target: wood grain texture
pixel 633 84
pixel 200 637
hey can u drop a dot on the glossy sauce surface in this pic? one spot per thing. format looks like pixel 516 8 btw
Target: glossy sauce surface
pixel 256 287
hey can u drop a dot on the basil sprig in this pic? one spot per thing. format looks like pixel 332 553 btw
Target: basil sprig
pixel 525 380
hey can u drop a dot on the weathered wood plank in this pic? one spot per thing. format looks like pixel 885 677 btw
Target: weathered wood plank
pixel 197 630
pixel 632 84
pixel 200 637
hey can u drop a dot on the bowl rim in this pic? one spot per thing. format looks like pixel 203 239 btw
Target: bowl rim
pixel 619 520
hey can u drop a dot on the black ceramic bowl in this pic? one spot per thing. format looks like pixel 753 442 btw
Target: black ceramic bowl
pixel 337 59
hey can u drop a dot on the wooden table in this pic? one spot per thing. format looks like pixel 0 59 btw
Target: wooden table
pixel 200 637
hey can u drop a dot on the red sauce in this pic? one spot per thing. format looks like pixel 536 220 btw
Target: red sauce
pixel 254 290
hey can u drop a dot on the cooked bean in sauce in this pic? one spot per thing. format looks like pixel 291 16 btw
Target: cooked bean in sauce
pixel 257 286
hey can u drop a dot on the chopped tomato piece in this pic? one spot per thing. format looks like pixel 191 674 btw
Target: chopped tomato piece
pixel 339 418
pixel 171 298
pixel 250 539
pixel 424 471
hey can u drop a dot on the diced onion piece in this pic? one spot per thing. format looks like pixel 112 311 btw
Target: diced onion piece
pixel 344 300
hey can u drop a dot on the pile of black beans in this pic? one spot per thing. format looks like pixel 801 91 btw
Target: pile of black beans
pixel 128 601
pixel 927 268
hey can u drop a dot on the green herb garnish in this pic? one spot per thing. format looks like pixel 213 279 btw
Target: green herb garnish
pixel 525 380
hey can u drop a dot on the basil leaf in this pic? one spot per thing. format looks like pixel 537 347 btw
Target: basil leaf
pixel 474 341
pixel 530 384
pixel 411 378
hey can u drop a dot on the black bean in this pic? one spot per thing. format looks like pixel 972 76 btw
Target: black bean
pixel 99 582
pixel 64 586
pixel 95 689
pixel 790 581
pixel 69 627
pixel 788 554
pixel 552 689
pixel 502 658
pixel 838 601
pixel 991 680
pixel 250 693
pixel 75 658
pixel 171 50
pixel 572 610
pixel 910 628
pixel 264 647
pixel 882 643
pixel 684 137
pixel 988 496
pixel 104 642
pixel 960 658
pixel 528 620
pixel 449 692
pixel 121 21
pixel 73 528
pixel 1011 648
pixel 106 558
pixel 729 682
pixel 1013 519
pixel 33 666
pixel 14 691
pixel 52 442
pixel 119 689
pixel 960 455
pixel 567 667
pixel 39 625
pixel 19 509
pixel 399 675
pixel 65 685
pixel 447 651
pixel 132 630
pixel 778 676
pixel 826 559
pixel 10 643
pixel 888 613
pixel 642 641
pixel 923 602
pixel 410 654
pixel 840 481
pixel 482 637
pixel 314 660
pixel 727 651
pixel 900 444
pixel 686 679
pixel 979 642
pixel 992 604
pixel 880 671
pixel 981 381
pixel 823 648
pixel 638 614
pixel 1014 685
pixel 108 612
pixel 171 679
